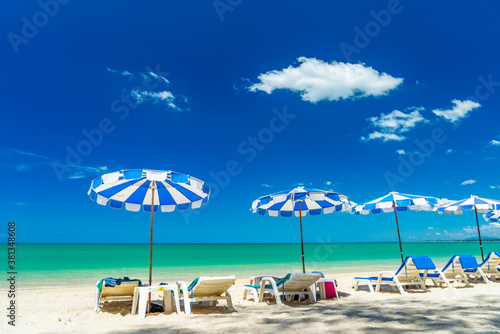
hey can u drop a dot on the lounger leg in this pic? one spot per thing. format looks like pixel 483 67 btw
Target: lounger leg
pixel 167 300
pixel 97 299
pixel 312 295
pixel 143 303
pixel 481 273
pixel 134 301
pixel 357 285
pixel 229 300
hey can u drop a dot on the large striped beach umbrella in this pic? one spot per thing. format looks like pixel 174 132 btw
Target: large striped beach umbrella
pixel 298 202
pixel 478 204
pixel 394 202
pixel 150 190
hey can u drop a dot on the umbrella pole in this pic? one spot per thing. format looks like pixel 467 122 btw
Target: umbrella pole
pixel 302 241
pixel 397 225
pixel 151 246
pixel 479 233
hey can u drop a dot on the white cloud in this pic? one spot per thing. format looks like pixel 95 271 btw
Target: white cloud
pixel 437 233
pixel 457 112
pixel 494 187
pixel 495 142
pixel 398 121
pixel 74 171
pixel 385 137
pixel 158 77
pixel 266 185
pixel 329 183
pixel 468 182
pixel 316 80
pixel 401 152
pixel 446 201
pixel 391 125
pixel 450 150
pixel 164 96
pixel 430 228
pixel 124 73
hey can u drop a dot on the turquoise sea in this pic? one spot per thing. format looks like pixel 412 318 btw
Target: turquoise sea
pixel 50 265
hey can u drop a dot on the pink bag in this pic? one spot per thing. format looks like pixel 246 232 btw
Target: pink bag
pixel 330 291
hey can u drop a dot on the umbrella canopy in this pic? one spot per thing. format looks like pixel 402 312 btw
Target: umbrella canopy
pixel 298 202
pixel 492 216
pixel 475 203
pixel 394 202
pixel 149 189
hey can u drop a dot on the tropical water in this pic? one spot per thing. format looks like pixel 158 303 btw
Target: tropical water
pixel 50 265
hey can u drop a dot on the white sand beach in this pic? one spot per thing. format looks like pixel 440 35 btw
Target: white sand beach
pixel 462 310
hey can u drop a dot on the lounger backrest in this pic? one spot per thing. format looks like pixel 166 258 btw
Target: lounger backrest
pixel 468 262
pixel 453 267
pixel 299 281
pixel 491 262
pixel 408 270
pixel 212 286
pixel 126 288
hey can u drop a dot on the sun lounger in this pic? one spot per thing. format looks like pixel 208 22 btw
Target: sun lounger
pixel 291 285
pixel 115 289
pixel 452 271
pixel 471 268
pixel 206 288
pixel 488 267
pixel 407 274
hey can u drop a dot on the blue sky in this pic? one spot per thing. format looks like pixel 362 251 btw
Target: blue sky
pixel 360 97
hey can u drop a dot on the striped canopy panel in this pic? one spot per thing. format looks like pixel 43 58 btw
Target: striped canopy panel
pixel 386 203
pixel 482 205
pixel 313 201
pixel 134 188
pixel 492 216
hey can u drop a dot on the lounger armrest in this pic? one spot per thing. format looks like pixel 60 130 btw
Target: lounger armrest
pixel 262 291
pixel 390 273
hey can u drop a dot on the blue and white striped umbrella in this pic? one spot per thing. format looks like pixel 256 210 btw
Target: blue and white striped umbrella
pixel 482 205
pixel 386 203
pixel 397 201
pixel 299 201
pixel 492 216
pixel 149 190
pixel 134 188
pixel 478 204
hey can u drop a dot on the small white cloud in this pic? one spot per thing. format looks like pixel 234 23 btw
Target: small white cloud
pixel 401 152
pixel 446 201
pixel 430 228
pixel 457 112
pixel 495 225
pixel 437 233
pixel 266 185
pixel 158 77
pixel 316 80
pixel 124 73
pixel 385 137
pixel 398 121
pixel 468 182
pixel 163 96
pixel 495 142
pixel 393 124
pixel 494 187
pixel 450 150
pixel 328 183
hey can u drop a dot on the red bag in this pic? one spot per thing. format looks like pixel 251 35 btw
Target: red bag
pixel 330 291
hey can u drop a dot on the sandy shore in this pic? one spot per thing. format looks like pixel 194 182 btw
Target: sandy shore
pixel 462 310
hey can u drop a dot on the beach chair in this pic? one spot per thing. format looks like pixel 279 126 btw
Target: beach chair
pixel 287 287
pixel 112 289
pixel 407 274
pixel 471 267
pixel 452 271
pixel 206 288
pixel 488 267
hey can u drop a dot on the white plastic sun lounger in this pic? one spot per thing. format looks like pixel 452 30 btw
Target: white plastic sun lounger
pixel 291 285
pixel 488 267
pixel 452 271
pixel 407 274
pixel 206 288
pixel 122 291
